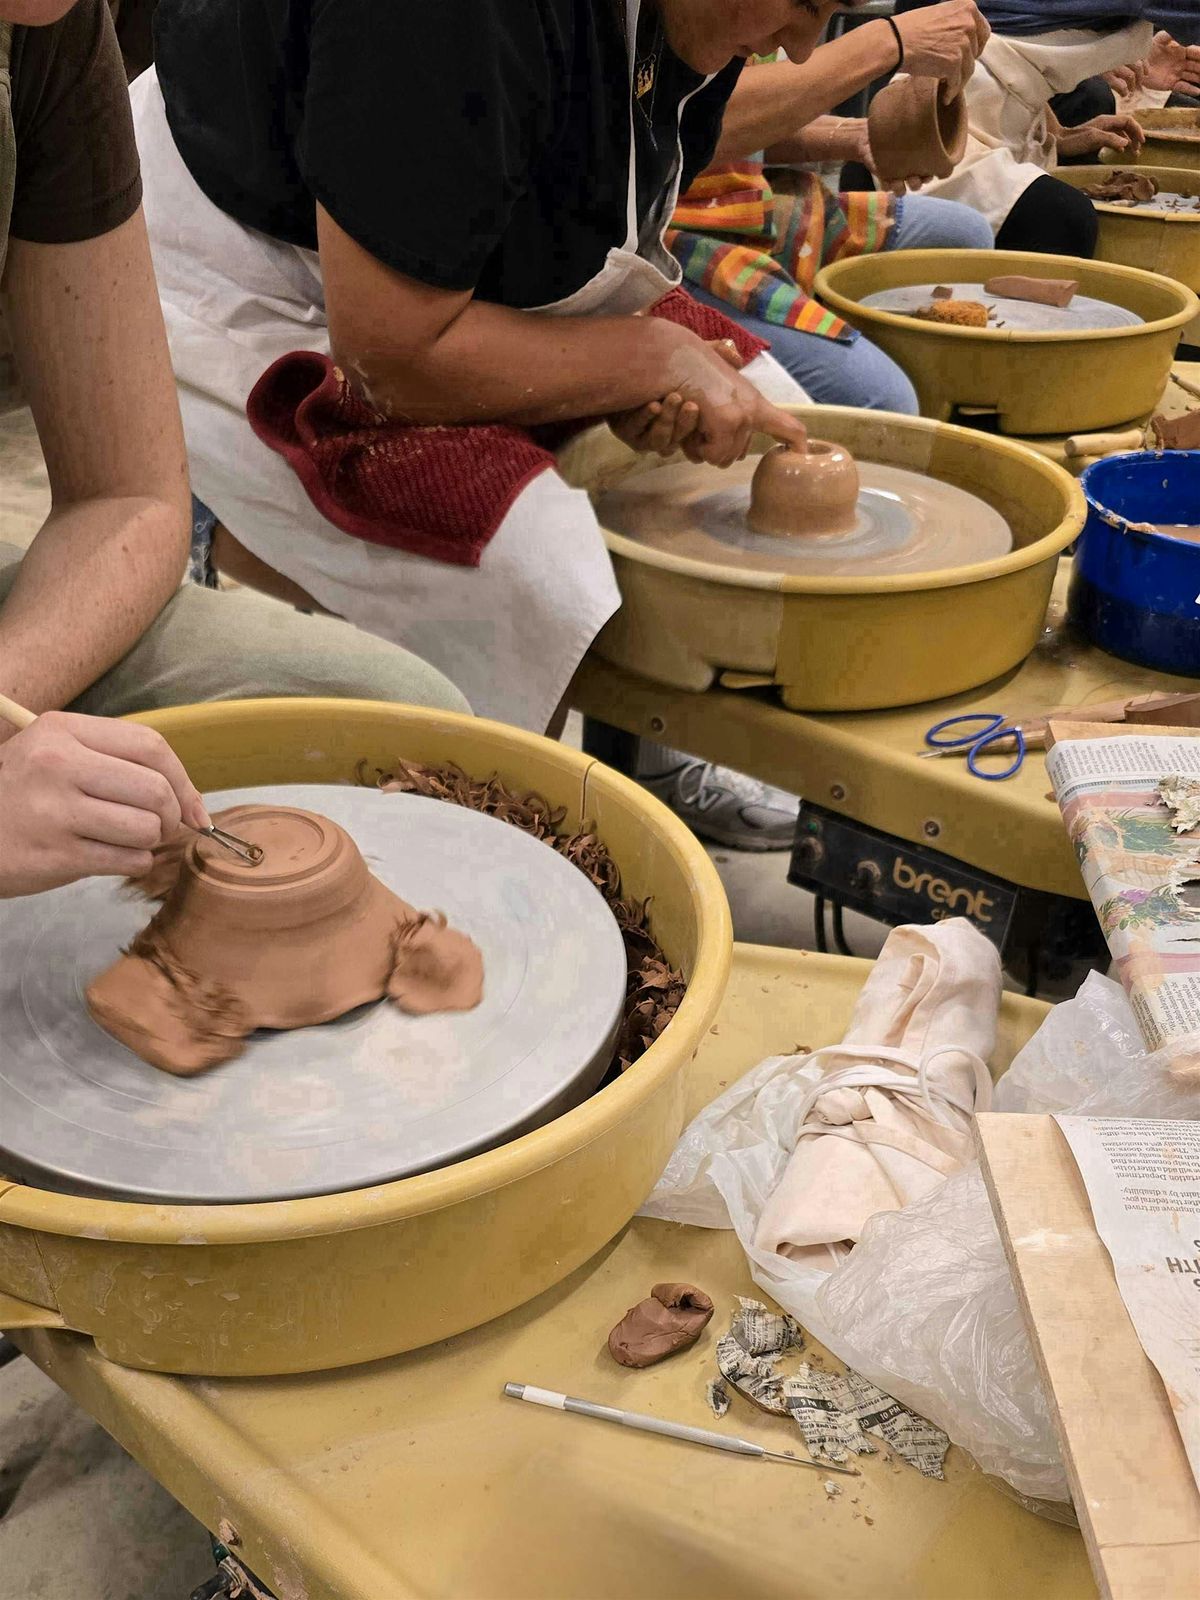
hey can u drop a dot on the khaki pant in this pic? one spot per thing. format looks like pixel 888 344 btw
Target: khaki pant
pixel 209 644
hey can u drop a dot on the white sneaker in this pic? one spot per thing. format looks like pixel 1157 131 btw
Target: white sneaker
pixel 725 806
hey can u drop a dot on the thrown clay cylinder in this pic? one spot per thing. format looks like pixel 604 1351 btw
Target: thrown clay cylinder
pixel 915 132
pixel 804 493
pixel 302 937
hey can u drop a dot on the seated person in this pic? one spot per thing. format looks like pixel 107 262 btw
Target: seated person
pixel 751 240
pixel 1040 49
pixel 92 616
pixel 464 202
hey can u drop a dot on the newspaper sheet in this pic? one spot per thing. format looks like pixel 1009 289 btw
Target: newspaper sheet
pixel 1142 875
pixel 1143 1182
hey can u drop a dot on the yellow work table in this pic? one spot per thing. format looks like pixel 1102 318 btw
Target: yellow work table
pixel 866 764
pixel 413 1479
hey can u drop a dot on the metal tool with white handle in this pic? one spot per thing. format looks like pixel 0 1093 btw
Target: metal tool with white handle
pixel 671 1430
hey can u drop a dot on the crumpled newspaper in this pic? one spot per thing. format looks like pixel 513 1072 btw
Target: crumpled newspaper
pixel 1181 796
pixel 835 1412
pixel 748 1355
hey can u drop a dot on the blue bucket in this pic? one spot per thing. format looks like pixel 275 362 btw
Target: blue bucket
pixel 1133 593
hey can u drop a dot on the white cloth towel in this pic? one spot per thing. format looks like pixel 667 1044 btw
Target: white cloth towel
pixel 890 1119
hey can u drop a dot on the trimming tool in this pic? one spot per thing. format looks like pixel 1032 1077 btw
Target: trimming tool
pixel 670 1430
pixel 21 717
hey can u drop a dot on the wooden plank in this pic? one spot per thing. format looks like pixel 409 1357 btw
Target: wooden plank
pixel 1134 1493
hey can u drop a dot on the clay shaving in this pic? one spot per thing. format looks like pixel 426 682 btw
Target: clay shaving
pixel 671 1319
pixel 954 313
pixel 654 989
pixel 1124 188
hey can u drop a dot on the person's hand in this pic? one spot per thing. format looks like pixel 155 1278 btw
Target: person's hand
pixel 943 42
pixel 1171 66
pixel 1126 80
pixel 861 151
pixel 1119 132
pixel 663 426
pixel 731 410
pixel 85 796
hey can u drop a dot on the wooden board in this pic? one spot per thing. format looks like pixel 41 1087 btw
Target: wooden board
pixel 1134 1493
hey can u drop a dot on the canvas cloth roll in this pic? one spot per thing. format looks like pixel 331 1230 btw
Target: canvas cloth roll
pixel 1009 145
pixel 891 1118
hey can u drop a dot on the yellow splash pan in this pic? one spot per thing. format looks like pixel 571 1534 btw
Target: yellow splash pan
pixel 1035 383
pixel 1167 242
pixel 846 643
pixel 305 1285
pixel 1164 145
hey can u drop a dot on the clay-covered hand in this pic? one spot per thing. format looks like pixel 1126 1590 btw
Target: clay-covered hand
pixel 858 141
pixel 1127 80
pixel 943 41
pixel 731 409
pixel 1171 66
pixel 664 426
pixel 86 796
pixel 1119 132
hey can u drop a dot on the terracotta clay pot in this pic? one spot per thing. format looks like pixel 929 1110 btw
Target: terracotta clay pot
pixel 915 132
pixel 804 493
pixel 302 937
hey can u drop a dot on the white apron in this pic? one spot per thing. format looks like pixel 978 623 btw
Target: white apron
pixel 1009 145
pixel 511 632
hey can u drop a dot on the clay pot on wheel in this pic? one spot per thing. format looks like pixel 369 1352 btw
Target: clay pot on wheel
pixel 302 937
pixel 915 132
pixel 804 493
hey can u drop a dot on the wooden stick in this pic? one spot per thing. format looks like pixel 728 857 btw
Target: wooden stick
pixel 1101 444
pixel 17 715
pixel 1188 388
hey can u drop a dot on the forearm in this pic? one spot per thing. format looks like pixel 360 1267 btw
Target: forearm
pixel 92 582
pixel 824 139
pixel 772 102
pixel 494 364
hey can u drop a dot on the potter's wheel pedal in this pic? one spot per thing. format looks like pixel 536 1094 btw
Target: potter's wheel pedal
pixel 374 1096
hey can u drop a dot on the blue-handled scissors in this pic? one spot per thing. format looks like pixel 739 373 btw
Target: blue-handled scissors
pixel 981 730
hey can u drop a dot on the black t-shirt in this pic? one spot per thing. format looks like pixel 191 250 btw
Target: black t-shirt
pixel 473 144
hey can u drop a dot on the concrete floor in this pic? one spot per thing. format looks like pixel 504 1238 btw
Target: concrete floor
pixel 80 1520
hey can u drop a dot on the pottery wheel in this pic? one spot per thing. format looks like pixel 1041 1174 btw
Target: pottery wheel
pixel 906 523
pixel 373 1096
pixel 1166 203
pixel 1083 315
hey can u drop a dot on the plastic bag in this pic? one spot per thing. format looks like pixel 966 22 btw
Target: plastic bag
pixel 924 1306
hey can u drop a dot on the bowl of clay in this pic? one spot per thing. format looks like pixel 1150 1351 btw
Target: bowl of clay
pixel 915 131
pixel 690 615
pixel 1035 370
pixel 804 494
pixel 1172 139
pixel 1160 235
pixel 298 937
pixel 327 1281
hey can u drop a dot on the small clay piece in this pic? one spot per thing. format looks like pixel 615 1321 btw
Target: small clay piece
pixel 914 132
pixel 1039 291
pixel 672 1318
pixel 1124 188
pixel 1177 433
pixel 799 493
pixel 954 313
pixel 943 292
pixel 302 937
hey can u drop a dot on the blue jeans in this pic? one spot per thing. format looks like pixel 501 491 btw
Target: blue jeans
pixel 853 372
